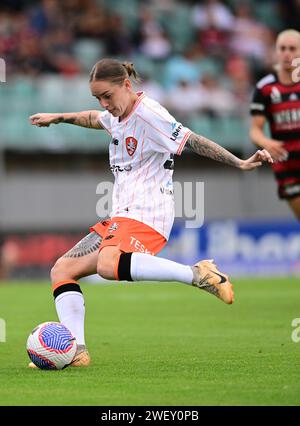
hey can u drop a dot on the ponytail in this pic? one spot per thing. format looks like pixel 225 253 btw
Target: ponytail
pixel 131 71
pixel 113 70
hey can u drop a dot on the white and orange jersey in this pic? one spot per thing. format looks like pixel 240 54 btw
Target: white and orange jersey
pixel 141 158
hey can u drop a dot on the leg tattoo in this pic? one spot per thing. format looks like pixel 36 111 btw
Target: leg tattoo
pixel 89 244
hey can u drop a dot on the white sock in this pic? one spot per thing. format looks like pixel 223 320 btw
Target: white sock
pixel 145 267
pixel 70 310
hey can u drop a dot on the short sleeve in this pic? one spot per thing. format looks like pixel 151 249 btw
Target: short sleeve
pixel 258 105
pixel 165 133
pixel 104 119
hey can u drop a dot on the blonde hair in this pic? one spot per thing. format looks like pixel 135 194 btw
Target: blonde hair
pixel 113 71
pixel 288 32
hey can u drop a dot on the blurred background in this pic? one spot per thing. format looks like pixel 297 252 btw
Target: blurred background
pixel 200 59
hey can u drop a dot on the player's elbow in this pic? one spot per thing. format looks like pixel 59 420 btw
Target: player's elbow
pixel 253 136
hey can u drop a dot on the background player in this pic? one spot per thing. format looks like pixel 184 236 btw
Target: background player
pixel 144 137
pixel 276 101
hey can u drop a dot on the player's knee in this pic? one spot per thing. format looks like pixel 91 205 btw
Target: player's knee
pixel 59 271
pixel 106 266
pixel 105 270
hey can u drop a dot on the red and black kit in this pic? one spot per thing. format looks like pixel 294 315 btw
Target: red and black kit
pixel 280 104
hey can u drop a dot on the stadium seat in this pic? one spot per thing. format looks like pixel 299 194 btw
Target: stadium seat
pixel 88 52
pixel 201 125
pixel 230 132
pixel 267 12
pixel 179 26
pixel 127 9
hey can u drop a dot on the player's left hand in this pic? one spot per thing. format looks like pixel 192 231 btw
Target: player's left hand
pixel 257 160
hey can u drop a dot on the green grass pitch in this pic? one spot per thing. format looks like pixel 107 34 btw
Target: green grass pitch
pixel 160 344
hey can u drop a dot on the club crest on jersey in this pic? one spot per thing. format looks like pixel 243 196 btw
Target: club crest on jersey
pixel 131 144
pixel 275 96
pixel 113 227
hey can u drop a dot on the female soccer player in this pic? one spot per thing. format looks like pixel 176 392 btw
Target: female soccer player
pixel 144 138
pixel 276 100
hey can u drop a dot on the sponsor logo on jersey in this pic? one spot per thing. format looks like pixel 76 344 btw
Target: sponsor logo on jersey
pixel 116 168
pixel 131 144
pixel 293 97
pixel 168 189
pixel 289 116
pixel 109 237
pixel 176 127
pixel 139 246
pixel 115 141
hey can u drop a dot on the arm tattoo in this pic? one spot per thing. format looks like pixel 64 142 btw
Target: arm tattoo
pixel 61 119
pixel 210 149
pixel 80 120
pixel 88 245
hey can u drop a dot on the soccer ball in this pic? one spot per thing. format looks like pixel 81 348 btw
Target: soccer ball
pixel 51 346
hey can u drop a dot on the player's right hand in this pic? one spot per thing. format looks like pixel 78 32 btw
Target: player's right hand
pixel 277 150
pixel 44 119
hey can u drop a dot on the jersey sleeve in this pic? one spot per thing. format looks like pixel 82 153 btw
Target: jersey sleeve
pixel 165 133
pixel 258 105
pixel 104 119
